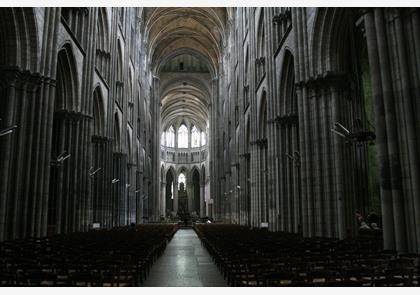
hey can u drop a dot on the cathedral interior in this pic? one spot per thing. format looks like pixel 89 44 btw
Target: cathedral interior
pixel 265 146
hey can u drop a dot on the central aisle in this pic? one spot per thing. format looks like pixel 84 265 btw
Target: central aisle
pixel 185 263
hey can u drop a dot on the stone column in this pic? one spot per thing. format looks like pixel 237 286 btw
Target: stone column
pixel 156 152
pixel 410 124
pixel 202 203
pixel 392 133
pixel 381 134
pixel 212 144
pixel 163 198
pixel 47 100
pixel 175 201
pixel 6 149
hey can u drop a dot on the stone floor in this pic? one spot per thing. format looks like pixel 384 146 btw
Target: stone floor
pixel 185 263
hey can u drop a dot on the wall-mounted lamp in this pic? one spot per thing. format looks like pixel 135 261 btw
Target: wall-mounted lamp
pixel 93 172
pixel 8 130
pixel 62 157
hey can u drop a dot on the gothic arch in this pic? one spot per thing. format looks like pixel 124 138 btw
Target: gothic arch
pixel 120 59
pixel 288 99
pixel 18 29
pixel 98 112
pixel 340 63
pixel 170 191
pixel 288 149
pixel 65 125
pixel 260 33
pixel 182 169
pixel 129 145
pixel 193 169
pixel 102 30
pixel 171 170
pixel 103 56
pixel 330 34
pixel 262 118
pixel 120 75
pixel 117 132
pixel 67 86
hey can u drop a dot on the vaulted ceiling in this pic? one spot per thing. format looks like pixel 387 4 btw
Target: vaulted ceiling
pixel 188 36
pixel 196 30
pixel 183 96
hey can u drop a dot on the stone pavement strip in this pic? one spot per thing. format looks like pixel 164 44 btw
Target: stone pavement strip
pixel 185 263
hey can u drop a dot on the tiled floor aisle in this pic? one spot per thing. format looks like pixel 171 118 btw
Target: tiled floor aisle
pixel 185 263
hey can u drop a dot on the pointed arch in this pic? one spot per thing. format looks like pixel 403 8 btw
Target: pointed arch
pixel 171 170
pixel 130 96
pixel 263 116
pixel 170 190
pixel 67 84
pixel 261 47
pixel 117 132
pixel 288 147
pixel 98 112
pixel 195 137
pixel 129 144
pixel 120 59
pixel 194 168
pixel 170 136
pixel 120 75
pixel 183 136
pixel 260 37
pixel 182 178
pixel 102 28
pixel 288 99
pixel 330 33
pixel 18 29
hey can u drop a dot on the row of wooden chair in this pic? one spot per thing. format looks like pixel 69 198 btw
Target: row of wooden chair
pixel 254 257
pixel 118 257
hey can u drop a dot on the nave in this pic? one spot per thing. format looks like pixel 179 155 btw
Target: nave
pixel 285 126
